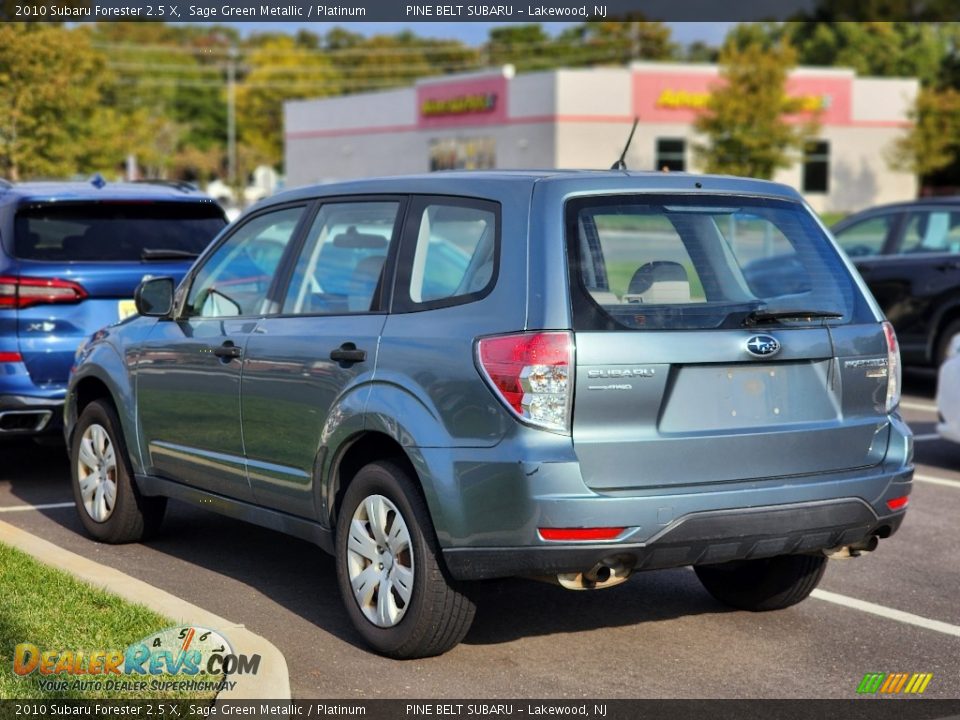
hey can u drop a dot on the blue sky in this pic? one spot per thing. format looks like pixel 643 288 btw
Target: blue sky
pixel 476 32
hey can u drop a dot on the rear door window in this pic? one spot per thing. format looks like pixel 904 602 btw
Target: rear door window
pixel 931 231
pixel 660 262
pixel 341 266
pixel 115 231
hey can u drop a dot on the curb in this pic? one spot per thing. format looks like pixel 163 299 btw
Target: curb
pixel 271 682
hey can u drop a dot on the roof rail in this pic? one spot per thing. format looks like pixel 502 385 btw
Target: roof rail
pixel 181 185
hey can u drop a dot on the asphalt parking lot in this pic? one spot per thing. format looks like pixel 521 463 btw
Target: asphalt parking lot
pixel 660 635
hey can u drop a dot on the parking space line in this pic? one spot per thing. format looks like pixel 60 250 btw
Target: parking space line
pixel 934 480
pixel 889 613
pixel 26 508
pixel 914 405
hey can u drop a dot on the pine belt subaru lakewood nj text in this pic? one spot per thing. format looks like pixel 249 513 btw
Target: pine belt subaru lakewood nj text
pixel 478 375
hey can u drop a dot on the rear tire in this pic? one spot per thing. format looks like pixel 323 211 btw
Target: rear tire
pixel 385 539
pixel 110 506
pixel 763 584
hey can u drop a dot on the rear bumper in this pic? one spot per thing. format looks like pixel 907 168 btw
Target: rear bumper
pixel 697 539
pixel 30 415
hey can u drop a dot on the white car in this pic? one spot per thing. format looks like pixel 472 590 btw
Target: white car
pixel 948 394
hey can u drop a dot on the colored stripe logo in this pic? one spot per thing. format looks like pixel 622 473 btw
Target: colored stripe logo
pixel 894 683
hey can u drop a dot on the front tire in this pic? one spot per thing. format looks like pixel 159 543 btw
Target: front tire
pixel 110 506
pixel 763 584
pixel 394 587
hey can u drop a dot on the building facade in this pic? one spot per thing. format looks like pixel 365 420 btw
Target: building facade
pixel 581 119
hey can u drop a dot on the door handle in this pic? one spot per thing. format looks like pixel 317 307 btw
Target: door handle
pixel 228 351
pixel 347 354
pixel 949 265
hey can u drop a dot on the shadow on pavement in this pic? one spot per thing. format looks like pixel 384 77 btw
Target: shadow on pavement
pixel 201 556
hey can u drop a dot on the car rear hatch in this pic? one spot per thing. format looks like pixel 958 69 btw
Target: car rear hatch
pixel 718 339
pixel 78 265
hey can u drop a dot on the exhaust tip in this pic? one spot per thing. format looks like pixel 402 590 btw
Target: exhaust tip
pixel 607 573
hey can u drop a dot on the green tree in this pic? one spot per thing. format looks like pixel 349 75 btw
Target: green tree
pixel 881 49
pixel 50 87
pixel 747 118
pixel 278 71
pixel 933 143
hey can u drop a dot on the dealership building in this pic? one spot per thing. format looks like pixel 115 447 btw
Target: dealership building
pixel 581 119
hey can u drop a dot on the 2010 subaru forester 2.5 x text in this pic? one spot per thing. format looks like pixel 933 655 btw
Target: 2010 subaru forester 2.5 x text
pixel 477 375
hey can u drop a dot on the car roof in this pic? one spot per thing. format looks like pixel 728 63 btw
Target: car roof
pixel 902 205
pixel 51 191
pixel 494 182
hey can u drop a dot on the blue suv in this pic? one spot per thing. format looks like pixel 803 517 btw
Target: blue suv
pixel 462 376
pixel 71 256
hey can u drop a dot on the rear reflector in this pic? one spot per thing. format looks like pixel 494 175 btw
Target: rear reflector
pixel 898 503
pixel 23 292
pixel 10 357
pixel 532 375
pixel 608 533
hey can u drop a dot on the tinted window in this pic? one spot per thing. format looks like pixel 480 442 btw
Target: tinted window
pixel 867 237
pixel 650 262
pixel 341 264
pixel 115 231
pixel 234 280
pixel 931 231
pixel 454 253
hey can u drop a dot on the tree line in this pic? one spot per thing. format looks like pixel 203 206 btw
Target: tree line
pixel 80 99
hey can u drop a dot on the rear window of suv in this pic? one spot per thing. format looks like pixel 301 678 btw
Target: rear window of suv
pixel 120 231
pixel 652 262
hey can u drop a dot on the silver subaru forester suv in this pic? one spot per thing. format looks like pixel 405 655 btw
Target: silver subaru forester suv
pixel 444 378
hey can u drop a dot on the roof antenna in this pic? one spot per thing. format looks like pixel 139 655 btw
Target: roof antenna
pixel 621 163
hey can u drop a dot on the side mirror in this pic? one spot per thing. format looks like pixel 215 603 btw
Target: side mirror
pixel 154 297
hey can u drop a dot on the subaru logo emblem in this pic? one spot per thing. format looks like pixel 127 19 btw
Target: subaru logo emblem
pixel 763 345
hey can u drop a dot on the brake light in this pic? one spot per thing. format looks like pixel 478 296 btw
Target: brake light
pixel 580 534
pixel 10 357
pixel 893 368
pixel 898 503
pixel 531 373
pixel 26 291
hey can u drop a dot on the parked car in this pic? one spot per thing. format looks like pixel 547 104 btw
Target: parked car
pixel 71 256
pixel 909 255
pixel 475 375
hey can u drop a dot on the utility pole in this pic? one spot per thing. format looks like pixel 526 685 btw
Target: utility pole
pixel 232 117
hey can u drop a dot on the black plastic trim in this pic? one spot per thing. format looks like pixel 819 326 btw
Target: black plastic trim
pixel 697 539
pixel 303 528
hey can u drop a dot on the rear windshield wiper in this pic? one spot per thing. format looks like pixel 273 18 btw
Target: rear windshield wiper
pixel 167 254
pixel 761 316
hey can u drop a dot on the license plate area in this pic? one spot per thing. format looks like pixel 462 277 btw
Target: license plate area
pixel 703 398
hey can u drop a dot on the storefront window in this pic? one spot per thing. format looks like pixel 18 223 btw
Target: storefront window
pixel 479 153
pixel 816 167
pixel 671 154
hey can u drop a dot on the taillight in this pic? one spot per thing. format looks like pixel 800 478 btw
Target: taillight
pixel 893 368
pixel 532 374
pixel 26 291
pixel 10 357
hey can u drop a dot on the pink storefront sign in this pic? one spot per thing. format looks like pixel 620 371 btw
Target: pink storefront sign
pixel 671 97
